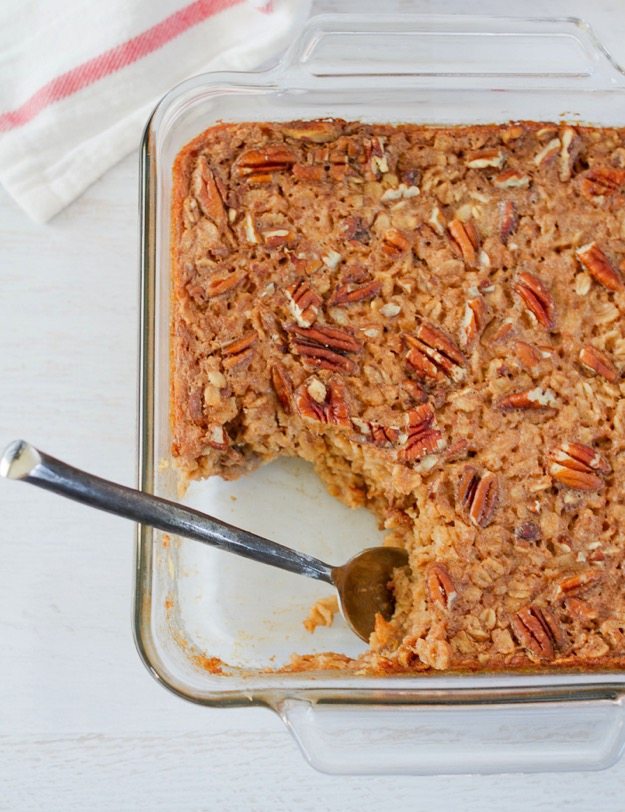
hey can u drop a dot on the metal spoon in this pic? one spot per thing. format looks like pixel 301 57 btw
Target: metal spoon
pixel 362 583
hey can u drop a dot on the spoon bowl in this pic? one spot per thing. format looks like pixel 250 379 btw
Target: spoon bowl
pixel 363 587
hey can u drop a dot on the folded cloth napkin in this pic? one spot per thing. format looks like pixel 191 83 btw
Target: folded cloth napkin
pixel 79 78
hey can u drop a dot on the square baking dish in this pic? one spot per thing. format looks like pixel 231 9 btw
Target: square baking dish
pixel 196 607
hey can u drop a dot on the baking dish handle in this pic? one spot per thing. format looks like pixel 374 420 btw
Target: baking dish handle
pixel 541 736
pixel 451 48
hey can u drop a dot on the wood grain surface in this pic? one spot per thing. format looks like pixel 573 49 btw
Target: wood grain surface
pixel 82 724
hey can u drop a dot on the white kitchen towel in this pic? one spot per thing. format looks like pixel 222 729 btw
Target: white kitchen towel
pixel 79 78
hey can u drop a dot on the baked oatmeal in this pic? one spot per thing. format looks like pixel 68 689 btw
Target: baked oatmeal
pixel 433 317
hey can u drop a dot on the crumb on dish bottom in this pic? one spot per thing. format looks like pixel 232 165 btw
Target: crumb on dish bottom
pixel 434 317
pixel 322 613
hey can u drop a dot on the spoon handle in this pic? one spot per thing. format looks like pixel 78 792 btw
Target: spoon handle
pixel 22 461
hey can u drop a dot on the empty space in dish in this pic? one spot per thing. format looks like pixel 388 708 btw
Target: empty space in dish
pixel 249 614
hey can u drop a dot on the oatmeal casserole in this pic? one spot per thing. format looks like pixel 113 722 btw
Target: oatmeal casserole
pixel 434 318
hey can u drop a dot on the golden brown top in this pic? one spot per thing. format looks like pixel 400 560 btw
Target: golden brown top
pixel 434 317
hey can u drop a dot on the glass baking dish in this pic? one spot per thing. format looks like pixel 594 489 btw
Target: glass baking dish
pixel 194 604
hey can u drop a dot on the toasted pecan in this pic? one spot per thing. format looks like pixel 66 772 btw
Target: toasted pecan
pixel 324 346
pixel 508 220
pixel 351 292
pixel 434 355
pixel 602 181
pixel 538 631
pixel 239 351
pixel 529 399
pixel 473 321
pixel 466 239
pixel 205 191
pixel 598 363
pixel 537 298
pixel 441 588
pixel 578 466
pixel 283 386
pixel 304 302
pixel 478 495
pixel 258 165
pixel 420 437
pixel 596 262
pixel 319 403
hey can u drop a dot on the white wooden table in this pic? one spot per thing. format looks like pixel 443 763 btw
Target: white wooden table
pixel 82 724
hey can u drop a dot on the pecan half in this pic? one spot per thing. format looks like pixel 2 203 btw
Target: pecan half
pixel 579 581
pixel 465 238
pixel 594 260
pixel 511 179
pixel 350 292
pixel 473 321
pixel 578 466
pixel 441 588
pixel 486 157
pixel 434 355
pixel 580 610
pixel 218 285
pixel 324 404
pixel 508 220
pixel 571 147
pixel 258 165
pixel 537 630
pixel 205 191
pixel 216 437
pixel 601 181
pixel 528 355
pixel 458 450
pixel 478 495
pixel 537 298
pixel 303 302
pixel 324 346
pixel 283 386
pixel 375 433
pixel 394 243
pixel 598 363
pixel 504 331
pixel 420 437
pixel 536 398
pixel 238 351
pixel 319 132
pixel 421 417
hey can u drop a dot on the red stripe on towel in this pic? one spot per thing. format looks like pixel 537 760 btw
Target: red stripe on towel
pixel 113 60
